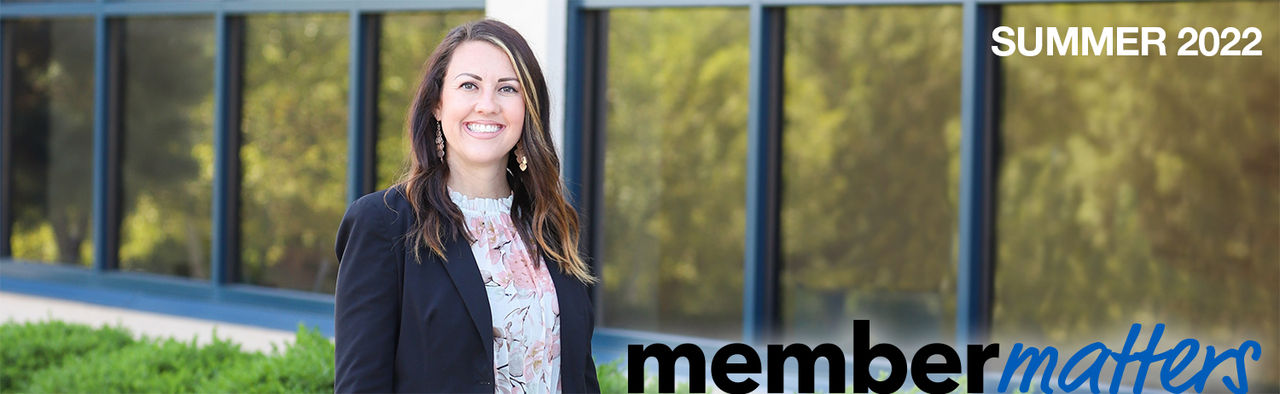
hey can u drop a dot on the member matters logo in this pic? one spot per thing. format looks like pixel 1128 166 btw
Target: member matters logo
pixel 1072 374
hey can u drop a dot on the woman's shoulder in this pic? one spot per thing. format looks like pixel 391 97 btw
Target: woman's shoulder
pixel 373 224
pixel 385 206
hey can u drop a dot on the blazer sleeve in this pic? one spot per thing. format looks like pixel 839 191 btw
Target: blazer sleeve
pixel 367 301
pixel 593 382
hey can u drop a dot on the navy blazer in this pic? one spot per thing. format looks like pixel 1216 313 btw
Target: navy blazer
pixel 404 326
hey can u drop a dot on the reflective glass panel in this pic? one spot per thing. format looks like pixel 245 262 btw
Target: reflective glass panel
pixel 167 145
pixel 870 155
pixel 1143 189
pixel 294 150
pixel 52 184
pixel 674 164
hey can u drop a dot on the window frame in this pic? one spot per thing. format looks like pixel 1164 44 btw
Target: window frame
pixel 224 286
pixel 762 318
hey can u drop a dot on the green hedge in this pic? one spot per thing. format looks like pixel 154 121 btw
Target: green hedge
pixel 57 357
pixel 26 349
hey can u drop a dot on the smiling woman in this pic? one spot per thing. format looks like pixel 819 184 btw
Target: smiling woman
pixel 471 261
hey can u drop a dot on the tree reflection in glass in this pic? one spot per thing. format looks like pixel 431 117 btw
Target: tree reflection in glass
pixel 674 165
pixel 167 145
pixel 294 150
pixel 1142 189
pixel 52 182
pixel 870 155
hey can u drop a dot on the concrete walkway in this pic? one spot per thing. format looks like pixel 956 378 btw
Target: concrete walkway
pixel 24 308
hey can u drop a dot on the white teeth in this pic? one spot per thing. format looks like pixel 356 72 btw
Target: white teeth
pixel 483 128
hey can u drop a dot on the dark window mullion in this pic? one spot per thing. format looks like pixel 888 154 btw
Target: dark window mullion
pixel 228 83
pixel 994 86
pixel 761 314
pixel 979 101
pixel 106 132
pixel 362 123
pixel 116 58
pixel 584 137
pixel 6 129
pixel 372 83
pixel 594 133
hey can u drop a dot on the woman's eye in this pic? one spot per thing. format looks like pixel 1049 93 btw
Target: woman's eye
pixel 468 86
pixel 507 89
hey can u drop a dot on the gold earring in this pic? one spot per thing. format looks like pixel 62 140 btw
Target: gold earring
pixel 522 159
pixel 439 141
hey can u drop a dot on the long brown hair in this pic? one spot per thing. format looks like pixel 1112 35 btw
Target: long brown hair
pixel 539 208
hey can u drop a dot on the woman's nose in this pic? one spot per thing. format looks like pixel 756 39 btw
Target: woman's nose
pixel 488 103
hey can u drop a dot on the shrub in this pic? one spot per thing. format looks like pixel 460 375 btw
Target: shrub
pixel 60 357
pixel 57 357
pixel 613 380
pixel 26 348
pixel 146 366
pixel 306 366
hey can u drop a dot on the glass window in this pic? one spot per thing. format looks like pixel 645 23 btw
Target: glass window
pixel 675 158
pixel 167 155
pixel 52 140
pixel 870 158
pixel 407 40
pixel 294 151
pixel 1147 192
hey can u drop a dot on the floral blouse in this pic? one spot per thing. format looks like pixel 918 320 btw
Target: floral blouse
pixel 522 299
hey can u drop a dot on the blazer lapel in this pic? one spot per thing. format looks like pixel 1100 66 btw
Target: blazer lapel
pixel 466 278
pixel 572 339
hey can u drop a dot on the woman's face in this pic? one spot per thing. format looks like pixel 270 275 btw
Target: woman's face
pixel 481 106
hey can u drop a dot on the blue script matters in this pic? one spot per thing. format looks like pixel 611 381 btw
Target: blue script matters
pixel 1174 361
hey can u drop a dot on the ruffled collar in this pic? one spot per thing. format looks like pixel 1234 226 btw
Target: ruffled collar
pixel 481 205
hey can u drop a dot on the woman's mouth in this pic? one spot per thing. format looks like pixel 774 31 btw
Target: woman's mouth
pixel 483 130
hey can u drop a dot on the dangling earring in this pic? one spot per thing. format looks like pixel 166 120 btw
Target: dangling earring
pixel 522 159
pixel 439 141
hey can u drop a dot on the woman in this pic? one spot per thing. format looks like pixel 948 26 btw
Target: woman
pixel 465 276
